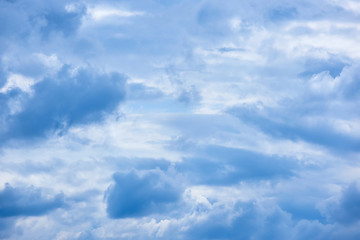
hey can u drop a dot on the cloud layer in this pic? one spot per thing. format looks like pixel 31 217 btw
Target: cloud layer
pixel 179 119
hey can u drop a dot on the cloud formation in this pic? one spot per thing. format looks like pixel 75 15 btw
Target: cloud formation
pixel 179 119
pixel 135 196
pixel 346 209
pixel 73 96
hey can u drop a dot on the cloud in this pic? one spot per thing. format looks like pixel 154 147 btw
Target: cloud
pixel 17 23
pixel 314 66
pixel 138 91
pixel 189 96
pixel 239 119
pixel 17 81
pixel 141 163
pixel 64 20
pixel 244 220
pixel 135 195
pixel 289 122
pixel 39 18
pixel 27 202
pixel 259 220
pixel 99 13
pixel 346 210
pixel 7 227
pixel 350 82
pixel 225 166
pixel 67 99
pixel 282 13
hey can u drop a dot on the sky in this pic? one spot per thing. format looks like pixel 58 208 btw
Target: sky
pixel 179 119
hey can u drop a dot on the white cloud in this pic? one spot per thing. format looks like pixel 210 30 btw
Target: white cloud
pixel 350 5
pixel 323 84
pixel 99 13
pixel 52 61
pixel 18 81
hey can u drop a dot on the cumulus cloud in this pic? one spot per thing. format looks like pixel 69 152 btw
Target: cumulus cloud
pixel 135 195
pixel 71 97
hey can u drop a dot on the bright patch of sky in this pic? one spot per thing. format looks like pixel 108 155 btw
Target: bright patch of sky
pixel 156 119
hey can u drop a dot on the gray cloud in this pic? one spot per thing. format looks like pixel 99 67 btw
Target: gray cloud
pixel 65 100
pixel 27 202
pixel 135 195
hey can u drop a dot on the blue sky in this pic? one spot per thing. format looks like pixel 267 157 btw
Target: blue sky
pixel 180 119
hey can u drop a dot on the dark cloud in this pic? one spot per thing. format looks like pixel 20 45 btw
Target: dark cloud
pixel 347 209
pixel 27 202
pixel 135 195
pixel 65 100
pixel 314 66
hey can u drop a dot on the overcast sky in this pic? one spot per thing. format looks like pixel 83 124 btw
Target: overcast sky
pixel 180 119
